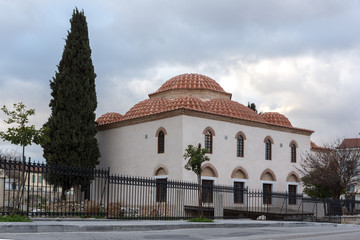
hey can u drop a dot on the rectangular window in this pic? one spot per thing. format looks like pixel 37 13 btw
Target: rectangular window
pixel 39 179
pixel 267 193
pixel 207 191
pixel 33 178
pixel 238 192
pixel 292 194
pixel 161 189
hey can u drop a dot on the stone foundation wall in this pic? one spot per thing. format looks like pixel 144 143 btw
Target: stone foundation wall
pixel 350 219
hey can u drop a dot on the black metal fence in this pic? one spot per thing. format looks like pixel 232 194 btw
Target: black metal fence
pixel 39 190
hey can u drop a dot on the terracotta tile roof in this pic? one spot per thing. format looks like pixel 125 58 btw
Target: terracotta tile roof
pixel 315 147
pixel 147 107
pixel 350 143
pixel 216 106
pixel 223 107
pixel 190 81
pixel 109 117
pixel 232 109
pixel 276 118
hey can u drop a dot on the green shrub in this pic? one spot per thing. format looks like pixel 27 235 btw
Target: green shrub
pixel 14 218
pixel 201 220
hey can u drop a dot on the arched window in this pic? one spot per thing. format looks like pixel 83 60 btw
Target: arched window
pixel 208 141
pixel 240 146
pixel 268 149
pixel 293 153
pixel 161 142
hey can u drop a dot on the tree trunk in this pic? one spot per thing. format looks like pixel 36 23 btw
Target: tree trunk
pixel 63 195
pixel 201 213
pixel 19 193
pixel 77 193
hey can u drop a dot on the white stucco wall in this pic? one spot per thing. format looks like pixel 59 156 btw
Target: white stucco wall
pixel 126 150
pixel 224 157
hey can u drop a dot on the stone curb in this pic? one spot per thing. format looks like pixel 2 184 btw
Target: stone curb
pixel 38 227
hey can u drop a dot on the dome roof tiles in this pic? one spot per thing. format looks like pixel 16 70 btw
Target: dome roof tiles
pixel 108 118
pixel 276 118
pixel 215 106
pixel 191 81
pixel 232 109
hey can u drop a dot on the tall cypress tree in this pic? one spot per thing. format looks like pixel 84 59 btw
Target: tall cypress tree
pixel 71 126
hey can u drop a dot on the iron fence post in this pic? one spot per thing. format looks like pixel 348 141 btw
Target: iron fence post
pixel 247 201
pixel 287 198
pixel 28 188
pixel 108 193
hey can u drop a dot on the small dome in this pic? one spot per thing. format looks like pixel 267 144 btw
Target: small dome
pixel 276 118
pixel 109 117
pixel 147 107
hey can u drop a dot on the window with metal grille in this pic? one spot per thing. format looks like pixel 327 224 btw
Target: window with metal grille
pixel 240 146
pixel 268 149
pixel 267 193
pixel 208 141
pixel 207 191
pixel 238 192
pixel 293 153
pixel 292 194
pixel 161 189
pixel 161 142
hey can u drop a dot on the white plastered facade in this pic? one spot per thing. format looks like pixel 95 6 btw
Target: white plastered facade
pixel 132 150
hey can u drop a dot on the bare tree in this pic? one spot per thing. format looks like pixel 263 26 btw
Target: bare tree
pixel 331 172
pixel 10 154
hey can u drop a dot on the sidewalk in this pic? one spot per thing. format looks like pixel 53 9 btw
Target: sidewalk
pixel 103 225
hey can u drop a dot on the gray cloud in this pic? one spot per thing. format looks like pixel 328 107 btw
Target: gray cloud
pixel 137 45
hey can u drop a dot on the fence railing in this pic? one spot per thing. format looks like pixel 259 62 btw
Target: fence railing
pixel 43 190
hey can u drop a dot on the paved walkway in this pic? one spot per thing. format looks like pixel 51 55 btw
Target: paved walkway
pixel 104 225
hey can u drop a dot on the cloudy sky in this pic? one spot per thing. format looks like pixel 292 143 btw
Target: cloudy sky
pixel 300 58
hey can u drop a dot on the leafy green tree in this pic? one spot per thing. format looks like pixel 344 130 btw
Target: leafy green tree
pixel 315 190
pixel 21 134
pixel 252 106
pixel 196 156
pixel 71 125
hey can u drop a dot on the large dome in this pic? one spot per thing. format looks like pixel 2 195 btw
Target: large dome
pixel 277 119
pixel 195 94
pixel 191 84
